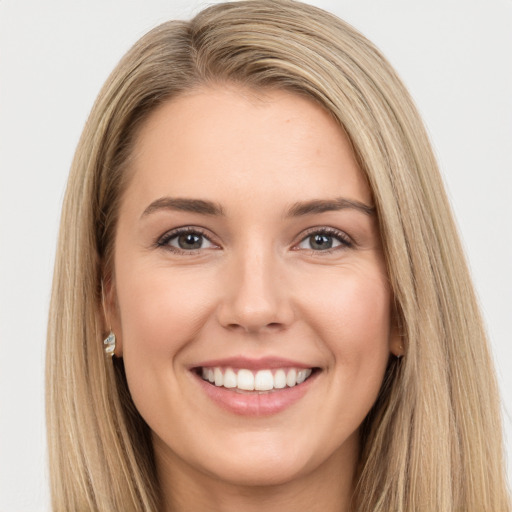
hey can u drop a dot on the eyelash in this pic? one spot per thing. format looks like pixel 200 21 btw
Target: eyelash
pixel 345 241
pixel 340 236
pixel 163 241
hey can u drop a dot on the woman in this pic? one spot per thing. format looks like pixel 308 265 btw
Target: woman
pixel 255 224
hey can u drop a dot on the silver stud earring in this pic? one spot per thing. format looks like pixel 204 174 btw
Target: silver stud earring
pixel 110 344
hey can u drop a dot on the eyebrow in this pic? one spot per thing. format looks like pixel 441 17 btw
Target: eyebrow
pixel 203 207
pixel 185 205
pixel 327 205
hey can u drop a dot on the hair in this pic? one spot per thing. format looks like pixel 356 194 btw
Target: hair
pixel 433 439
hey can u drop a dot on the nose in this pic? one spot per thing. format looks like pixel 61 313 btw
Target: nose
pixel 255 298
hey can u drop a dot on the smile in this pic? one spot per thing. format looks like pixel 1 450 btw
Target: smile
pixel 244 380
pixel 255 387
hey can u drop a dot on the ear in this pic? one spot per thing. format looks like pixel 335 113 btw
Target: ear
pixel 396 334
pixel 112 319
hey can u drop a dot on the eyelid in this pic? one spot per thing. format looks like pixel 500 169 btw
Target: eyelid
pixel 163 240
pixel 346 241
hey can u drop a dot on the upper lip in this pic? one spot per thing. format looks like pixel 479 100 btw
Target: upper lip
pixel 248 363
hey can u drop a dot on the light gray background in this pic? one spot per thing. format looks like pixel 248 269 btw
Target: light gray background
pixel 454 55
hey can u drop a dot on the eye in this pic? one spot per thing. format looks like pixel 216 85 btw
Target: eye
pixel 186 240
pixel 324 240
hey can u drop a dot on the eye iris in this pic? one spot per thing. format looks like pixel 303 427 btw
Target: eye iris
pixel 190 241
pixel 321 242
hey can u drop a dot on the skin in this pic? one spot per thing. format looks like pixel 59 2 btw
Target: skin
pixel 256 287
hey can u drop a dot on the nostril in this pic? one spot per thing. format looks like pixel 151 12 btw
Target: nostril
pixel 254 328
pixel 235 327
pixel 244 312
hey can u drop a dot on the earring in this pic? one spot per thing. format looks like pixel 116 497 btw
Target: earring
pixel 400 355
pixel 110 344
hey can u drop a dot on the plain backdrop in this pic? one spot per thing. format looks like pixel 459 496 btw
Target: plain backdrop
pixel 454 55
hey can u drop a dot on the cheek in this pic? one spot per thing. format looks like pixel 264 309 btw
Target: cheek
pixel 351 305
pixel 160 312
pixel 353 320
pixel 159 309
pixel 359 342
pixel 365 315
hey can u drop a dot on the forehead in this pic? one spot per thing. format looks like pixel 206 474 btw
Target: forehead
pixel 231 141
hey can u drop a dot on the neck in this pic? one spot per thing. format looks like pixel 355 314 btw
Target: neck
pixel 328 488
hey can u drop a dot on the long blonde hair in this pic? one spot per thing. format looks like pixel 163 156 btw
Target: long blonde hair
pixel 433 439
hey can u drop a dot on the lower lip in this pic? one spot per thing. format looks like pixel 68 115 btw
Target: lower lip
pixel 254 403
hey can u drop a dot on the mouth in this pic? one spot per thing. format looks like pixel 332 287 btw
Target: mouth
pixel 258 387
pixel 243 380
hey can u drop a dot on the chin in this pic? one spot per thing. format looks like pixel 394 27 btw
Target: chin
pixel 274 470
pixel 258 459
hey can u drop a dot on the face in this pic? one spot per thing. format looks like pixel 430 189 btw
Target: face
pixel 252 307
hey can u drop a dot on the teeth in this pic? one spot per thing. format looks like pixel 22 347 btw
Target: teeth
pixel 291 378
pixel 301 376
pixel 262 380
pixel 230 379
pixel 280 379
pixel 245 380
